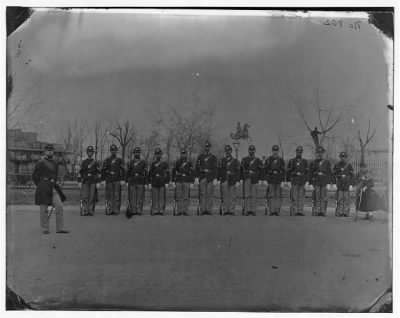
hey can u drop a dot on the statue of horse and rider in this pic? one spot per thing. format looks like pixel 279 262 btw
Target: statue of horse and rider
pixel 241 133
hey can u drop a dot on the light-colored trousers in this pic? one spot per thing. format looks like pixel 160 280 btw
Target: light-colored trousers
pixel 206 195
pixel 158 200
pixel 274 197
pixel 228 196
pixel 250 196
pixel 88 197
pixel 297 194
pixel 59 210
pixel 136 197
pixel 182 197
pixel 343 202
pixel 320 199
pixel 113 196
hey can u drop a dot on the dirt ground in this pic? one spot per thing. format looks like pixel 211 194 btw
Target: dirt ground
pixel 201 263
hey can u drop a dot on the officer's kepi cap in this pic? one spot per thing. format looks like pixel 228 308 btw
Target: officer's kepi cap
pixel 252 147
pixel 207 144
pixel 183 152
pixel 320 149
pixel 228 148
pixel 113 148
pixel 90 149
pixel 49 147
pixel 275 148
pixel 343 154
pixel 136 150
pixel 158 151
pixel 299 149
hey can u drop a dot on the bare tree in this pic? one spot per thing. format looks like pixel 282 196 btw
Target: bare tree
pixel 22 101
pixel 125 134
pixel 99 138
pixel 149 144
pixel 365 141
pixel 186 128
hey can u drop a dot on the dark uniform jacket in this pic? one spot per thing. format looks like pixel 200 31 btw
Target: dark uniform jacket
pixel 113 169
pixel 159 174
pixel 320 165
pixel 344 175
pixel 251 168
pixel 297 171
pixel 206 167
pixel 229 170
pixel 89 171
pixel 44 176
pixel 183 171
pixel 275 170
pixel 137 172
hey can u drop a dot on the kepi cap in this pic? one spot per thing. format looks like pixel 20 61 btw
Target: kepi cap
pixel 136 150
pixel 113 148
pixel 228 148
pixel 275 148
pixel 158 151
pixel 343 154
pixel 299 149
pixel 90 149
pixel 252 147
pixel 207 144
pixel 320 149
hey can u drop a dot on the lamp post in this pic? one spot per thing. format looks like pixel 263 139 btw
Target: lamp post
pixel 236 145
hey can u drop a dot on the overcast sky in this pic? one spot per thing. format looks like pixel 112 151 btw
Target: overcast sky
pixel 132 65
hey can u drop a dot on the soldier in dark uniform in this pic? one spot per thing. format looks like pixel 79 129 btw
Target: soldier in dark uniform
pixel 320 180
pixel 297 176
pixel 182 178
pixel 136 177
pixel 159 177
pixel 344 178
pixel 275 175
pixel 229 177
pixel 88 179
pixel 113 174
pixel 206 175
pixel 48 192
pixel 251 174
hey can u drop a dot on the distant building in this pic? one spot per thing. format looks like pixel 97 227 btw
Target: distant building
pixel 24 150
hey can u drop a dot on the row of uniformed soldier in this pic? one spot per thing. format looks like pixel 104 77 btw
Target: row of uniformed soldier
pixel 208 172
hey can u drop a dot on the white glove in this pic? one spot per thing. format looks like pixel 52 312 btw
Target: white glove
pixel 80 185
pixel 149 186
pixel 289 184
pixel 260 182
pixel 328 187
pixel 282 184
pixel 191 186
pixel 351 188
pixel 237 184
pixel 97 185
pixel 364 188
pixel 103 183
pixel 122 183
pixel 166 185
pixel 334 187
pixel 241 181
pixel 173 184
pixel 311 187
pixel 196 181
pixel 320 173
pixel 265 182
pixel 215 182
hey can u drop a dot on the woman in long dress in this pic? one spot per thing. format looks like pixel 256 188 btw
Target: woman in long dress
pixel 366 198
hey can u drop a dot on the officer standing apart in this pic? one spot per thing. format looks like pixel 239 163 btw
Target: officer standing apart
pixel 251 174
pixel 48 192
pixel 320 180
pixel 229 177
pixel 344 177
pixel 159 178
pixel 182 178
pixel 275 174
pixel 297 175
pixel 113 174
pixel 88 181
pixel 206 176
pixel 136 177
